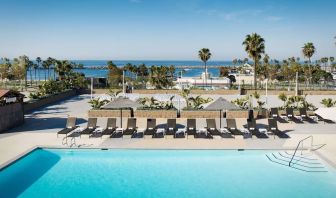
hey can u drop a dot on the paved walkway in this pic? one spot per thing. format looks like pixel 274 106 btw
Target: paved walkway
pixel 41 127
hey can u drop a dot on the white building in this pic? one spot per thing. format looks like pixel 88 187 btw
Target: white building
pixel 210 82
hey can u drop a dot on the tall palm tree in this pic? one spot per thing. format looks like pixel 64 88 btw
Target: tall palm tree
pixel 24 64
pixel 255 47
pixel 331 59
pixel 204 54
pixel 171 71
pixel 38 61
pixel 45 66
pixel 35 66
pixel 50 61
pixel 308 51
pixel 62 68
pixel 266 63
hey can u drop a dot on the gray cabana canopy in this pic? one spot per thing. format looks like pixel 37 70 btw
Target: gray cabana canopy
pixel 121 103
pixel 221 104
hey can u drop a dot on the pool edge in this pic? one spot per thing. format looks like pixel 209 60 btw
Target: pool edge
pixel 28 151
pixel 18 157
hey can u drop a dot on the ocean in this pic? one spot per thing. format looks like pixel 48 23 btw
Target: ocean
pixel 103 72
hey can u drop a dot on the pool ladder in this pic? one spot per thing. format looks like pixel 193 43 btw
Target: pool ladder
pixel 304 161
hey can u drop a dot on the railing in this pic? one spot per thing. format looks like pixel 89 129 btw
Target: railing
pixel 300 143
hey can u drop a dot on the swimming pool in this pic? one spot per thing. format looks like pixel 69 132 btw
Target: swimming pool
pixel 159 173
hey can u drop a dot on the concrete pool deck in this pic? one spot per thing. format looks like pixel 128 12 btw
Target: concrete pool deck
pixel 41 127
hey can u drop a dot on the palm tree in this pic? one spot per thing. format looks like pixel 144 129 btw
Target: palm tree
pixel 308 51
pixel 331 59
pixel 234 61
pixel 38 60
pixel 143 70
pixel 45 66
pixel 35 66
pixel 254 46
pixel 50 61
pixel 328 102
pixel 62 68
pixel 266 63
pixel 171 71
pixel 24 64
pixel 204 54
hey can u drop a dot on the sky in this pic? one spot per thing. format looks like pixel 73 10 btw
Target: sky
pixel 163 29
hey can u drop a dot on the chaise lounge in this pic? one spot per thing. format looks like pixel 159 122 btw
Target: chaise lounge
pixel 191 127
pixel 70 126
pixel 151 127
pixel 110 126
pixel 171 127
pixel 274 113
pixel 252 127
pixel 273 127
pixel 131 127
pixel 91 127
pixel 232 127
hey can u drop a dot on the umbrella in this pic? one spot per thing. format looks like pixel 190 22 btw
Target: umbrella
pixel 121 103
pixel 221 104
pixel 327 113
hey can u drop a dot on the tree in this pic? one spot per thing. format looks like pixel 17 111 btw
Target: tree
pixel 331 59
pixel 24 64
pixel 171 72
pixel 266 64
pixel 143 70
pixel 114 75
pixel 62 68
pixel 160 77
pixel 204 54
pixel 224 71
pixel 328 102
pixel 308 51
pixel 255 47
pixel 5 68
pixel 50 61
pixel 283 97
pixel 35 66
pixel 45 66
pixel 232 79
pixel 38 61
pixel 234 61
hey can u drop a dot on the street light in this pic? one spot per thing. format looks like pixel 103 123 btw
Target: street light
pixel 124 83
pixel 266 93
pixel 296 85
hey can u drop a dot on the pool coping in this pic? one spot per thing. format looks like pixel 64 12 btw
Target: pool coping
pixel 18 157
pixel 28 151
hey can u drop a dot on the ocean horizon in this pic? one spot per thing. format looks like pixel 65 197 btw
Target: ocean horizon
pixel 102 73
pixel 89 63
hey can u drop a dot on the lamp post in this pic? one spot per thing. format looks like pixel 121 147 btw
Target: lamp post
pixel 296 84
pixel 266 93
pixel 123 83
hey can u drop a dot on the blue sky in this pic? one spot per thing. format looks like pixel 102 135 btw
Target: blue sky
pixel 163 29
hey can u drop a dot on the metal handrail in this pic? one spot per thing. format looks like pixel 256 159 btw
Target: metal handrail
pixel 297 147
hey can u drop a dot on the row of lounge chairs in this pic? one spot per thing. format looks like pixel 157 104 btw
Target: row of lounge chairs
pixel 171 128
pixel 291 116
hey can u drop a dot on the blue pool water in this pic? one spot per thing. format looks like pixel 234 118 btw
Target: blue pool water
pixel 159 173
